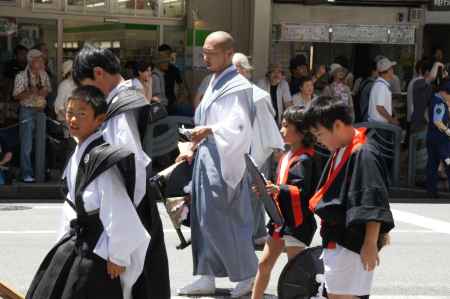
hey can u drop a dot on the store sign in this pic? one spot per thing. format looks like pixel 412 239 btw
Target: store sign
pixel 347 33
pixel 305 33
pixel 363 34
pixel 440 5
pixel 402 35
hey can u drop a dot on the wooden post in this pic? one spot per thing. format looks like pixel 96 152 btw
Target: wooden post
pixel 8 293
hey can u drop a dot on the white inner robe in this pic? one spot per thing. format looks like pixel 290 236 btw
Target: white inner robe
pixel 122 130
pixel 124 240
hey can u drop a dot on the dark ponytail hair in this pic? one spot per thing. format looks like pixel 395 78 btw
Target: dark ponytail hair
pixel 296 115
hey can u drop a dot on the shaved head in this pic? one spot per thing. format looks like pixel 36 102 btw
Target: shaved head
pixel 218 51
pixel 221 39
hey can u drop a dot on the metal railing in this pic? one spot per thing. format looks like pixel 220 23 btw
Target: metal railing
pixel 417 159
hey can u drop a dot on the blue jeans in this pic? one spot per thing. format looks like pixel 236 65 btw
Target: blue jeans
pixel 27 118
pixel 2 177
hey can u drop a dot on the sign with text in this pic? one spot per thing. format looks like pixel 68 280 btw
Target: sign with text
pixel 305 32
pixel 440 5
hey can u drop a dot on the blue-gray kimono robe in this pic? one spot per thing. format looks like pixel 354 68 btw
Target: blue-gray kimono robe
pixel 221 213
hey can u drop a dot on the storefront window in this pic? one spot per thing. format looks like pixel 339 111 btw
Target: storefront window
pixel 8 2
pixel 89 5
pixel 129 41
pixel 154 8
pixel 135 7
pixel 172 8
pixel 44 2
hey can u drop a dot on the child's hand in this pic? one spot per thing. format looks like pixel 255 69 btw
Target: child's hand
pixel 114 270
pixel 271 188
pixel 369 256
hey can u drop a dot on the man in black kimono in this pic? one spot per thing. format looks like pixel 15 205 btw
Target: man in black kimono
pixel 351 200
pixel 124 126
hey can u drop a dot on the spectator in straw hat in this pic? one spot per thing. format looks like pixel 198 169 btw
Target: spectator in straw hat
pixel 65 89
pixel 31 87
pixel 338 88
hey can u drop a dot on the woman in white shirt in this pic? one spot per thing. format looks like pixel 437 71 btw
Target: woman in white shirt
pixel 142 80
pixel 305 94
pixel 278 88
pixel 65 89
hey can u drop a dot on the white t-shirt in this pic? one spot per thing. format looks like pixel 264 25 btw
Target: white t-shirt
pixel 380 95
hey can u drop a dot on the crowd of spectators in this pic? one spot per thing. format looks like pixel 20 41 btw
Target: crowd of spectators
pixel 370 96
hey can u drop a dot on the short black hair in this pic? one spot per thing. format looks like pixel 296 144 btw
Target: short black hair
pixel 92 96
pixel 324 111
pixel 424 65
pixel 140 66
pixel 165 48
pixel 90 57
pixel 19 48
pixel 296 116
pixel 296 61
pixel 304 79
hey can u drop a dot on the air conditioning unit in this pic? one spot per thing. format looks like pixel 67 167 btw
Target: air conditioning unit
pixel 416 15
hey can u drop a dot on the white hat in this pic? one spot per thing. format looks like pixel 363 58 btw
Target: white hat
pixel 385 64
pixel 33 54
pixel 335 67
pixel 67 67
pixel 241 60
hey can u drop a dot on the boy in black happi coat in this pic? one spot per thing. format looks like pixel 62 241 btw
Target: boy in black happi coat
pixel 296 180
pixel 101 251
pixel 351 200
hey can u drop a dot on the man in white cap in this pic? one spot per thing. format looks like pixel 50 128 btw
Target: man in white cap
pixel 265 140
pixel 380 103
pixel 31 87
pixel 65 89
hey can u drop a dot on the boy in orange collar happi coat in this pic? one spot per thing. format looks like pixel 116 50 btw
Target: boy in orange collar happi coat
pixel 291 192
pixel 351 200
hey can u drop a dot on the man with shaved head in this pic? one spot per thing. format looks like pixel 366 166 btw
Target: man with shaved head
pixel 221 211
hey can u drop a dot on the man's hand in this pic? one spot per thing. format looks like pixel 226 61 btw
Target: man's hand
pixel 186 156
pixel 43 92
pixel 156 100
pixel 394 121
pixel 114 270
pixel 200 133
pixel 369 256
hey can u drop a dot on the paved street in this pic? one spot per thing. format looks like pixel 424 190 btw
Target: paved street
pixel 415 266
